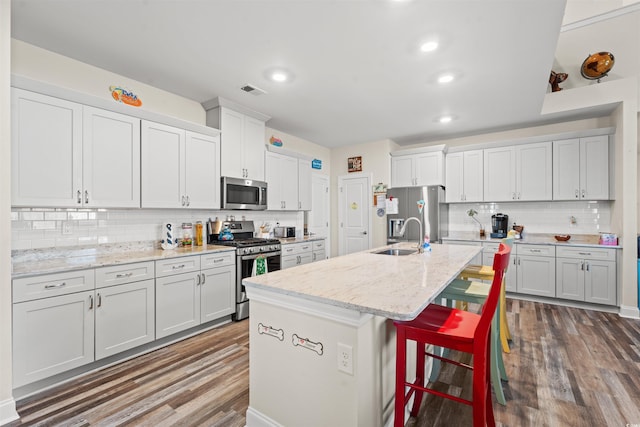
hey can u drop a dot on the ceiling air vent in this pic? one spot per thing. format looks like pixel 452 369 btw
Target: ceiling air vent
pixel 253 90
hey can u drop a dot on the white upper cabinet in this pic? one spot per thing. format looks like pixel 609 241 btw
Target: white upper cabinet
pixel 111 159
pixel 464 177
pixel 304 185
pixel 68 155
pixel 243 138
pixel 46 150
pixel 521 172
pixel 409 170
pixel 282 178
pixel 179 168
pixel 581 168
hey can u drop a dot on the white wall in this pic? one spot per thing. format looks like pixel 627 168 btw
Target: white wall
pixel 7 404
pixel 49 67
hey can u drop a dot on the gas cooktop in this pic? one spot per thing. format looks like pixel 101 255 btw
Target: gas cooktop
pixel 242 243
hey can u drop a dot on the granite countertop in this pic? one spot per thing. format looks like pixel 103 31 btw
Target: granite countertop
pixel 56 260
pixel 395 287
pixel 586 240
pixel 289 240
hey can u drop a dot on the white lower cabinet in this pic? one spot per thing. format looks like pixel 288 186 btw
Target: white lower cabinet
pixel 61 322
pixel 294 254
pixel 585 274
pixel 52 335
pixel 187 296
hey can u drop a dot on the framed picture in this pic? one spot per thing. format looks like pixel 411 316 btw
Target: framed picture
pixel 354 164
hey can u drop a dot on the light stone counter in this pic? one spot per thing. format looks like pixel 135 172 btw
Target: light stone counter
pixel 395 287
pixel 289 240
pixel 586 240
pixel 43 261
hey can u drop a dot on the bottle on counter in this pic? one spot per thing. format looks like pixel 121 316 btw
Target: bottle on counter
pixel 199 234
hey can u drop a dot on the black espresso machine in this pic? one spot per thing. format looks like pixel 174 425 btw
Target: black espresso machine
pixel 499 226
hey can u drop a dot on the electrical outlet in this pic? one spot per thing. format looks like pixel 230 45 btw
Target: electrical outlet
pixel 345 358
pixel 66 227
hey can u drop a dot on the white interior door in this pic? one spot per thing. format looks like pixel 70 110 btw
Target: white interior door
pixel 354 213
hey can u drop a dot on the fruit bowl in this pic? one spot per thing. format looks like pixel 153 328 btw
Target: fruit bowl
pixel 562 237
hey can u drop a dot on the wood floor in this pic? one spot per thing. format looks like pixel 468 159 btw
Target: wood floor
pixel 567 367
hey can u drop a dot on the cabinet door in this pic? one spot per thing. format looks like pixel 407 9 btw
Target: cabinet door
pixel 124 317
pixel 536 275
pixel 566 169
pixel 288 261
pixel 499 174
pixel 253 152
pixel 511 275
pixel 319 255
pixel 454 177
pixel 231 125
pixel 305 258
pixel 473 176
pixel 202 176
pixel 177 303
pixel 402 174
pixel 273 178
pixel 429 168
pixel 533 172
pixel 600 282
pixel 304 185
pixel 52 335
pixel 163 160
pixel 111 159
pixel 594 168
pixel 46 151
pixel 570 274
pixel 289 182
pixel 217 293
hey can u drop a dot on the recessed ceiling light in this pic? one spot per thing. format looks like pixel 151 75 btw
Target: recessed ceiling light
pixel 445 119
pixel 429 46
pixel 446 78
pixel 279 76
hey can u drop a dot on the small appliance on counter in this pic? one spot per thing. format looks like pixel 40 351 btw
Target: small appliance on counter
pixel 282 232
pixel 499 226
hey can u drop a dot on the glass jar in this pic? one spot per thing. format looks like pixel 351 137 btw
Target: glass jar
pixel 187 234
pixel 199 236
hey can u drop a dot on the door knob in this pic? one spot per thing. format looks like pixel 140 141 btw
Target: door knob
pixel 364 232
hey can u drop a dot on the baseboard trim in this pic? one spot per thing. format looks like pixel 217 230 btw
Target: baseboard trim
pixel 8 411
pixel 629 312
pixel 256 418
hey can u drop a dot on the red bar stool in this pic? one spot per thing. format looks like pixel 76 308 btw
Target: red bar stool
pixel 455 330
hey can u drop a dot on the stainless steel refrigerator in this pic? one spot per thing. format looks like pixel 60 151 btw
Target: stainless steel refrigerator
pixel 435 213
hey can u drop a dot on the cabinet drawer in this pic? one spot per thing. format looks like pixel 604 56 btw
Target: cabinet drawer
pixel 318 245
pixel 538 250
pixel 587 253
pixel 168 267
pixel 296 248
pixel 119 274
pixel 50 285
pixel 218 259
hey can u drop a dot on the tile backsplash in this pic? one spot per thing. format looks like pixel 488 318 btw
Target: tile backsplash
pixel 34 228
pixel 571 217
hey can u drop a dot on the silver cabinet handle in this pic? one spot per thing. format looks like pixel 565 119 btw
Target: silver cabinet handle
pixel 182 200
pixel 90 302
pixel 535 250
pixel 188 201
pixel 314 256
pixel 299 205
pixel 99 301
pixel 199 278
pixel 582 265
pixel 587 265
pixel 56 286
pixel 204 278
pixel 86 196
pixel 218 260
pixel 178 267
pixel 585 253
pixel 79 197
pixel 124 275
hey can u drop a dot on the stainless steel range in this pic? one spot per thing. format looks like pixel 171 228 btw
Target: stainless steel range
pixel 248 248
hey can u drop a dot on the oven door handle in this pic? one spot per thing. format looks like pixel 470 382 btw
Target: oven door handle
pixel 254 256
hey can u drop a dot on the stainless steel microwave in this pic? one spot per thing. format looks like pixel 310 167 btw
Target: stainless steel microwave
pixel 245 194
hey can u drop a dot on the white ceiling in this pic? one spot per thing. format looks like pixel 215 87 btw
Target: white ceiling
pixel 358 73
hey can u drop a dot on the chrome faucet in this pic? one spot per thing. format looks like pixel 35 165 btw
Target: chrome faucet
pixel 404 227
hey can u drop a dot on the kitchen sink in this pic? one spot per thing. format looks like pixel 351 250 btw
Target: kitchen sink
pixel 396 252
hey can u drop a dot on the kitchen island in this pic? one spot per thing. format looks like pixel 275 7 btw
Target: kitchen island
pixel 322 345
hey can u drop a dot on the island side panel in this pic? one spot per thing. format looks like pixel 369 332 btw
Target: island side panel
pixel 294 385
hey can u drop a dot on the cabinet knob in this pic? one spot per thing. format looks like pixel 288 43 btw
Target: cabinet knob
pixel 79 197
pixel 86 196
pixel 577 196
